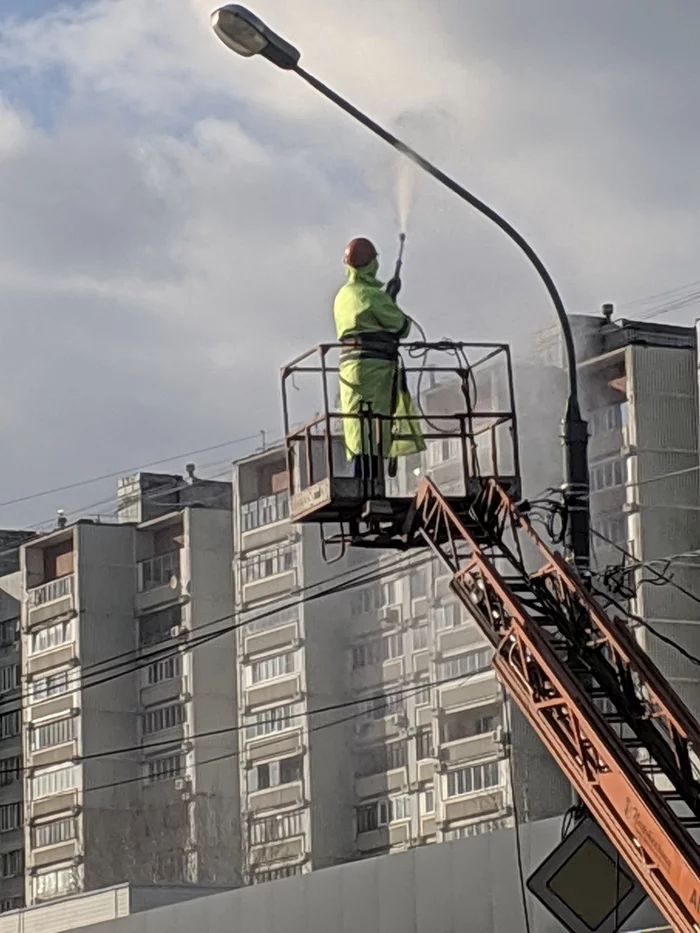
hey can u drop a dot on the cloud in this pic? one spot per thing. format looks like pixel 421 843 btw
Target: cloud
pixel 173 216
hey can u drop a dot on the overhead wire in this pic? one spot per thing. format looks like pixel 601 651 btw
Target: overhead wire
pixel 136 659
pixel 130 470
pixel 305 715
pixel 516 809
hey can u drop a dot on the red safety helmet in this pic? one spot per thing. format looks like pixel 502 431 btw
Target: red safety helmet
pixel 359 252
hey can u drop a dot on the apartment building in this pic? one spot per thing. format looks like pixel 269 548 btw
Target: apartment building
pixel 118 785
pixel 639 388
pixel 445 757
pixel 293 679
pixel 11 759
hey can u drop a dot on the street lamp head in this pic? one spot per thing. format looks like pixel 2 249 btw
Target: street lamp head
pixel 243 33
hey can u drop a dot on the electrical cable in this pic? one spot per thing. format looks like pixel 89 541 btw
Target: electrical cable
pixel 136 659
pixel 516 815
pixel 648 566
pixel 632 616
pixel 126 472
pixel 305 715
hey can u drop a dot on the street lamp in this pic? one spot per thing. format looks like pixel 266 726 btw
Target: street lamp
pixel 242 32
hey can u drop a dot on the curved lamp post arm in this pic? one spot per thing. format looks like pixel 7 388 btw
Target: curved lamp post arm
pixel 475 202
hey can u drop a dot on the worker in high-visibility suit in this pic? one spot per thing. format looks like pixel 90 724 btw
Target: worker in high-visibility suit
pixel 372 381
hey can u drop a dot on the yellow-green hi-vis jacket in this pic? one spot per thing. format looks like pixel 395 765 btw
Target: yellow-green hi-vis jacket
pixel 370 323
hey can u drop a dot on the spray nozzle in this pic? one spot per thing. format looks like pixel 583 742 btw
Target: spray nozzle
pixel 394 286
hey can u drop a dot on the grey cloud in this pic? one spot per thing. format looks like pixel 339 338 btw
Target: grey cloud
pixel 156 278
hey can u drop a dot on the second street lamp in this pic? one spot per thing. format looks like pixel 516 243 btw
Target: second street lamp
pixel 242 32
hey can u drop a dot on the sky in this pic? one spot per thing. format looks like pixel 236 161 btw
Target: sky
pixel 172 217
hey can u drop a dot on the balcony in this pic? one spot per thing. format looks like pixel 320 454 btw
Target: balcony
pixel 50 600
pixel 264 521
pixel 158 571
pixel 155 575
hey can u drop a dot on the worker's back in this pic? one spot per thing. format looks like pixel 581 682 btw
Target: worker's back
pixel 362 306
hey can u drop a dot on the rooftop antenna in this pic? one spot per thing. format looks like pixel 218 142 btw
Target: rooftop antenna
pixel 264 440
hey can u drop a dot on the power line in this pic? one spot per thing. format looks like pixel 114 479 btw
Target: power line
pixel 135 659
pixel 643 622
pixel 127 471
pixel 237 753
pixel 305 715
pixel 647 565
pixel 516 815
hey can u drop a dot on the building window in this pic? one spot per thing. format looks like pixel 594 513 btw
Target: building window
pixel 10 816
pixel 50 637
pixel 418 582
pixel 448 616
pixel 421 637
pixel 55 883
pixel 162 718
pixel 400 807
pixel 274 874
pixel 442 450
pixel 427 802
pixel 265 621
pixel 368 600
pixel 381 706
pixel 463 724
pixel 10 769
pixel 274 828
pixel 9 678
pixel 57 732
pixel 54 782
pixel 11 903
pixel 486 724
pixel 265 511
pixel 382 758
pixel 424 744
pixel 371 816
pixel 605 420
pixel 613 529
pixel 9 632
pixel 269 563
pixel 170 867
pixel 275 773
pixel 164 768
pixel 9 725
pixel 473 779
pixel 377 650
pixel 474 829
pixel 270 668
pixel 50 686
pixel 165 669
pixel 424 695
pixel 276 719
pixel 606 474
pixel 12 863
pixel 51 834
pixel 156 626
pixel 158 570
pixel 472 663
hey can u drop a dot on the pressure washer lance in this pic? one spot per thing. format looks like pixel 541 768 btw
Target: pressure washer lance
pixel 394 285
pixel 393 288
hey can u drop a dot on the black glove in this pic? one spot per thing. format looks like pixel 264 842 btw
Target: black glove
pixel 393 287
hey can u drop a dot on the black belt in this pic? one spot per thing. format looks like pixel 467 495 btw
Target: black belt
pixel 370 346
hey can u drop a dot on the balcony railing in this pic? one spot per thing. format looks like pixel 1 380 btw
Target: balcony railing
pixel 158 571
pixel 48 592
pixel 265 511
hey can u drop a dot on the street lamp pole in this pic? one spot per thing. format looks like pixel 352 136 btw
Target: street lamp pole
pixel 245 34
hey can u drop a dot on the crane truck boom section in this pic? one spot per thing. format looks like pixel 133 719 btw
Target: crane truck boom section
pixel 617 729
